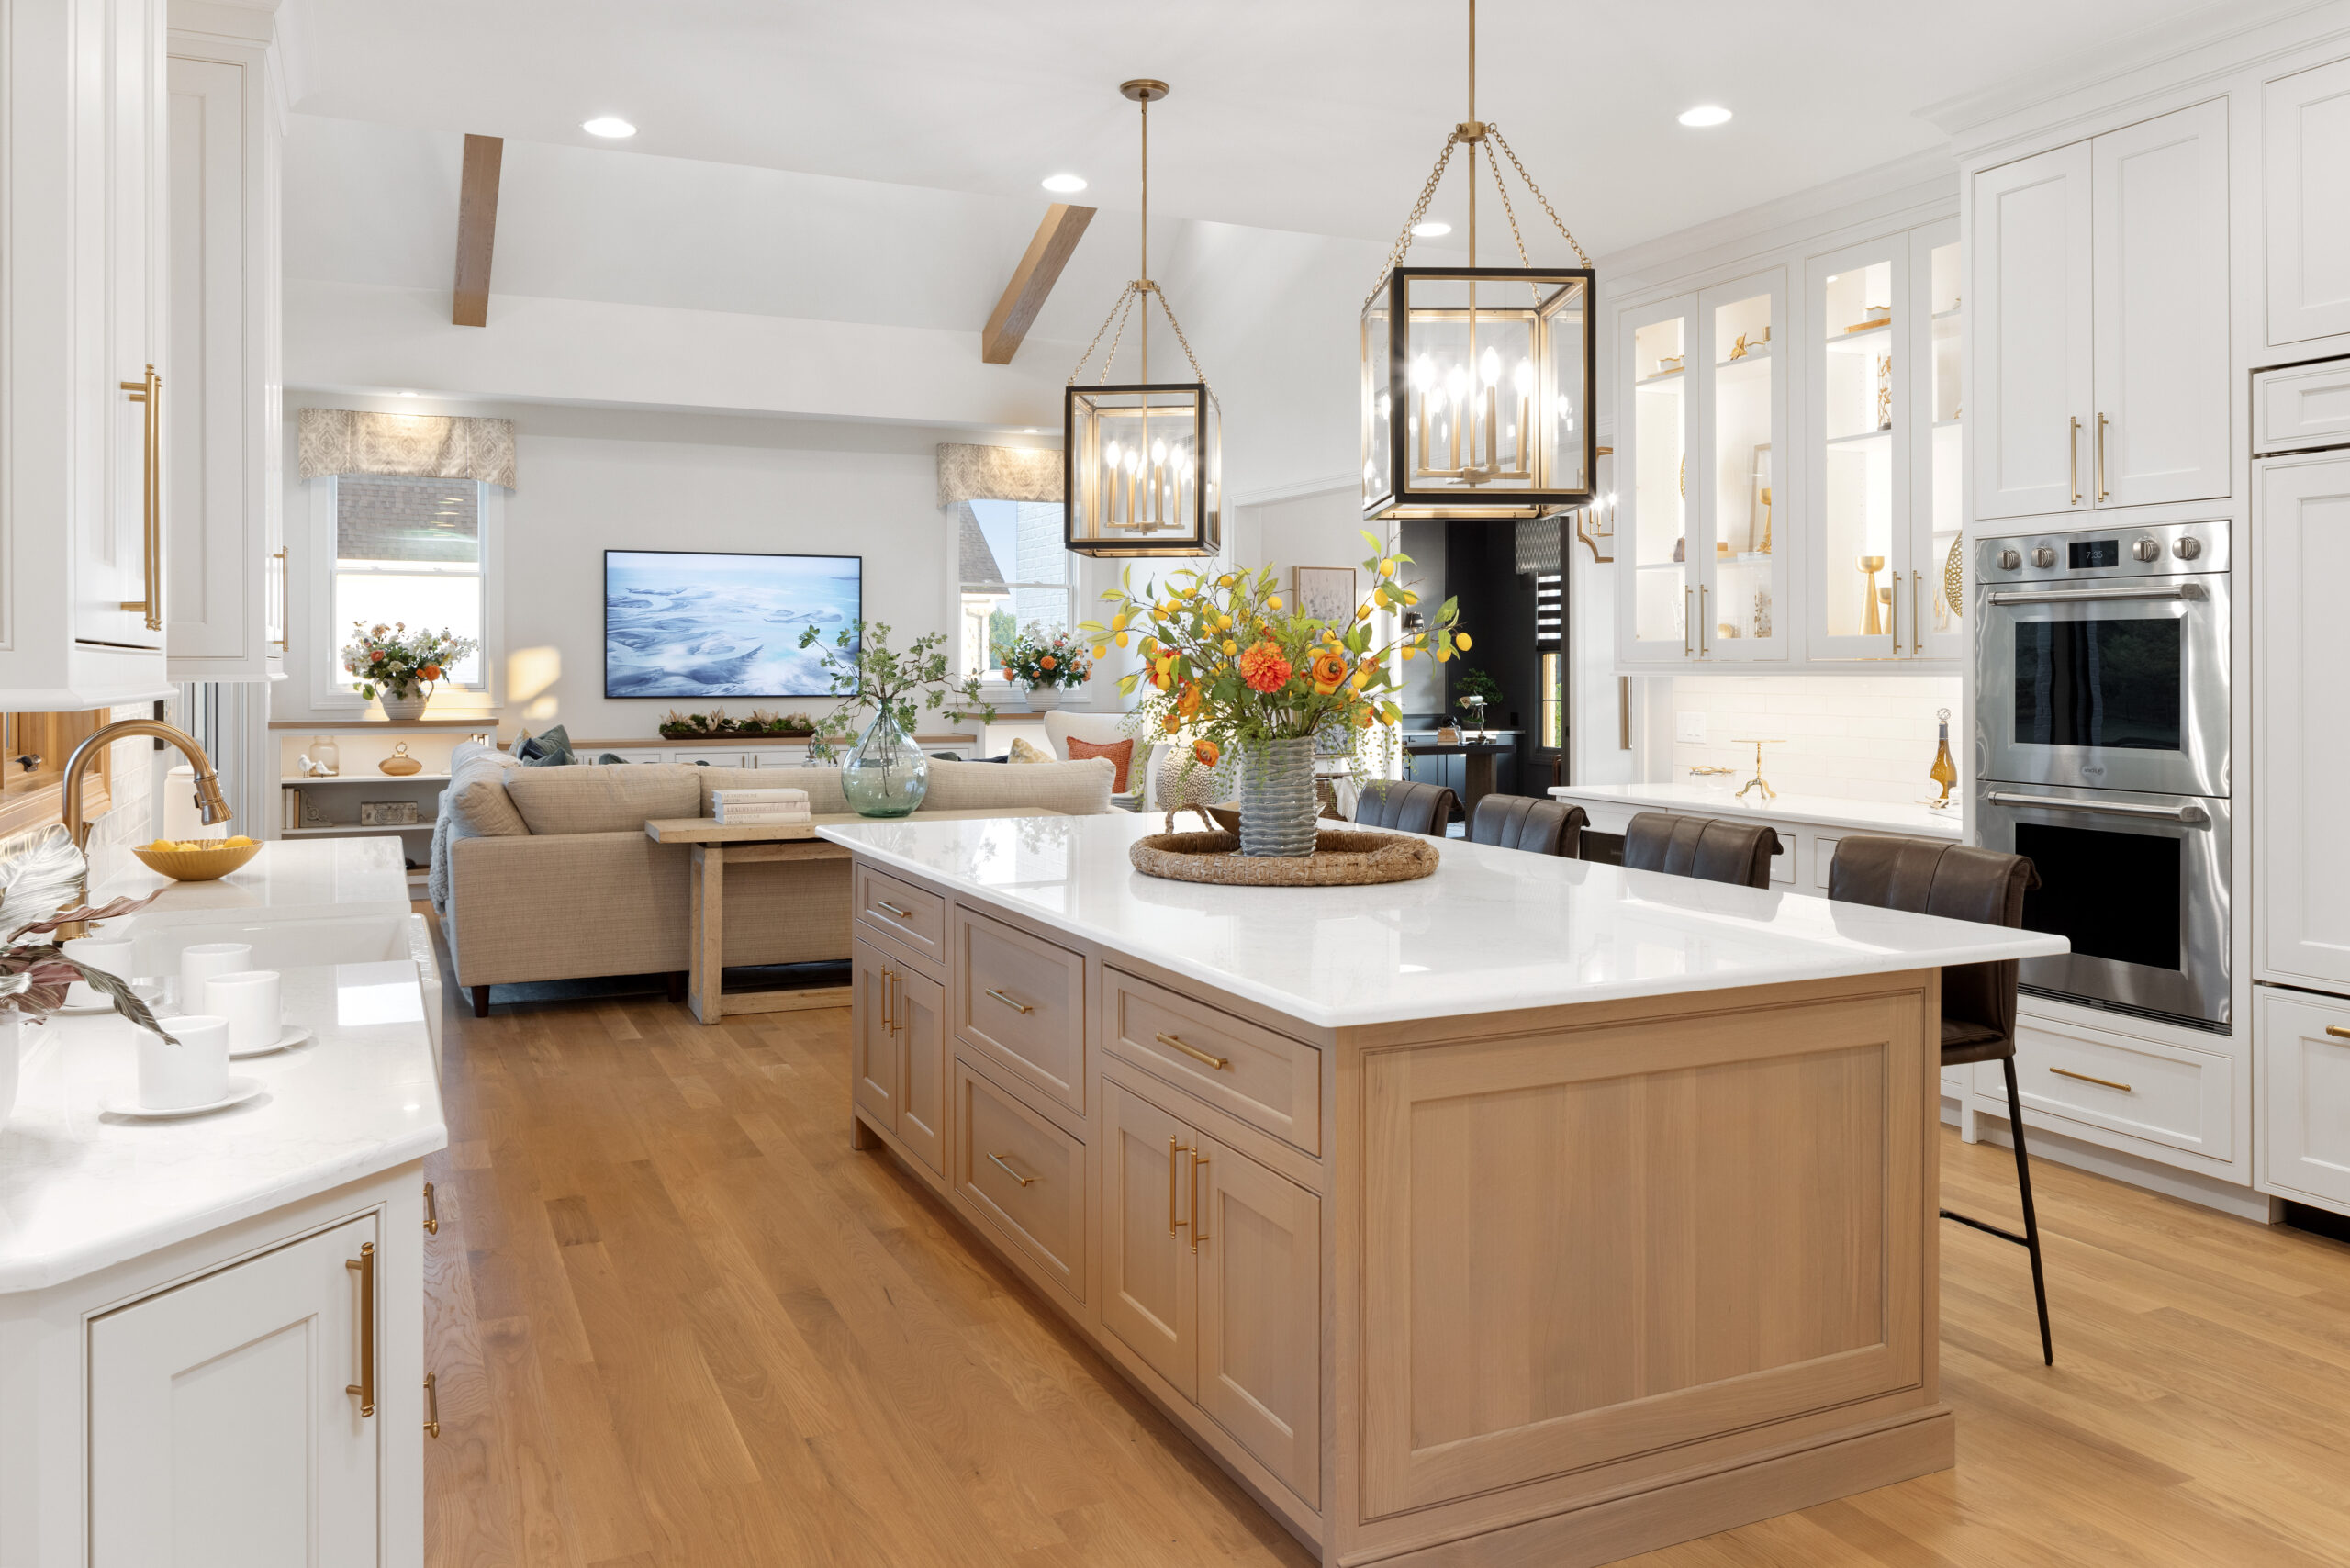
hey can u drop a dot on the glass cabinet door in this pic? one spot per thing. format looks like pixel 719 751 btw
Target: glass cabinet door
pixel 1657 595
pixel 1735 533
pixel 1938 562
pixel 1862 596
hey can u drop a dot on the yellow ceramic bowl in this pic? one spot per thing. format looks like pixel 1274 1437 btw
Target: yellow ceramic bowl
pixel 196 865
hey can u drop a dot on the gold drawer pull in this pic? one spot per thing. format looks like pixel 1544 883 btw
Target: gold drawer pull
pixel 886 907
pixel 2337 1031
pixel 1008 1171
pixel 1194 1051
pixel 431 1212
pixel 364 1267
pixel 1015 1006
pixel 432 1405
pixel 1175 1151
pixel 1199 1227
pixel 2085 1077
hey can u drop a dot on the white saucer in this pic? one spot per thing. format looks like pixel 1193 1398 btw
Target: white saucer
pixel 294 1035
pixel 122 1103
pixel 145 990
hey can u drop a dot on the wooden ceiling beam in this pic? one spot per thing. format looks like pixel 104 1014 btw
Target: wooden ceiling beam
pixel 1033 280
pixel 476 229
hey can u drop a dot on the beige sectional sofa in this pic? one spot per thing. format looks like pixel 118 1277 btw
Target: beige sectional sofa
pixel 545 873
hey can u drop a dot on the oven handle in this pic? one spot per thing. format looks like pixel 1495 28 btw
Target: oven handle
pixel 2191 814
pixel 2094 596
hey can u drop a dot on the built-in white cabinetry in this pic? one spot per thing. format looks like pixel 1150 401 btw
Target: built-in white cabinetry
pixel 2101 276
pixel 2302 1078
pixel 81 352
pixel 225 576
pixel 2301 408
pixel 2306 129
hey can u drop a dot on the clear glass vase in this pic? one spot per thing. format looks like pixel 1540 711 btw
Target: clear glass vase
pixel 887 774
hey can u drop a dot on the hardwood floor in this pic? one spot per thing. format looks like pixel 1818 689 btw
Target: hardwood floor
pixel 677 1322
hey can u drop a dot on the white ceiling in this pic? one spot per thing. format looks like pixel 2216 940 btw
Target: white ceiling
pixel 1320 116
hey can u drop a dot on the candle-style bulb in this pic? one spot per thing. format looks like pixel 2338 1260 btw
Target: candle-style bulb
pixel 1134 458
pixel 1490 368
pixel 1523 378
pixel 1423 374
pixel 1456 384
pixel 1157 453
pixel 1110 454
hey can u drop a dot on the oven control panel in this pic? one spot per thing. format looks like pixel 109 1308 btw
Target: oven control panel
pixel 2142 550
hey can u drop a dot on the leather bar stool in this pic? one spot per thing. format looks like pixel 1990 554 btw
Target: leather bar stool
pixel 1521 822
pixel 1978 1000
pixel 1713 848
pixel 1406 807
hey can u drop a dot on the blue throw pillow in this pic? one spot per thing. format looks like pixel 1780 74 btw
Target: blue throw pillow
pixel 551 749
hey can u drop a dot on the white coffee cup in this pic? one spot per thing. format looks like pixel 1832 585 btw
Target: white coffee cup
pixel 200 961
pixel 111 954
pixel 248 999
pixel 195 1072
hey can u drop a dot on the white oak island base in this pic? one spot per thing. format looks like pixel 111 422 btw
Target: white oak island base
pixel 1548 1285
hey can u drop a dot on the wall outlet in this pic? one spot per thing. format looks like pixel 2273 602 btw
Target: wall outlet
pixel 1689 728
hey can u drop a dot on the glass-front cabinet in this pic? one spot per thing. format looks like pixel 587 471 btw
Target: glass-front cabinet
pixel 1703 379
pixel 1939 574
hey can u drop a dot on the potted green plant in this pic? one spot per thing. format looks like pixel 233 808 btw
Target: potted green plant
pixel 1475 690
pixel 885 773
pixel 399 667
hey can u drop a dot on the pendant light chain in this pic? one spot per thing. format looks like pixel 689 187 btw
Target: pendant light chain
pixel 1419 212
pixel 1495 133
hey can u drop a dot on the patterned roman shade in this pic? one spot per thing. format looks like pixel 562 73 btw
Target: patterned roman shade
pixel 423 446
pixel 967 473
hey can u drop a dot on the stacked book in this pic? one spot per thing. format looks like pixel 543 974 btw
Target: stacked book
pixel 743 808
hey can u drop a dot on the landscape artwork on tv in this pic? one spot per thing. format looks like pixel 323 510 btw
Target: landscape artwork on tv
pixel 702 624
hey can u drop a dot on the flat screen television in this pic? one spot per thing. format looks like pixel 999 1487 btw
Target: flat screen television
pixel 712 623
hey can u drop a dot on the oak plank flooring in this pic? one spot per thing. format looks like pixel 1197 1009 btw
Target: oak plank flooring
pixel 678 1323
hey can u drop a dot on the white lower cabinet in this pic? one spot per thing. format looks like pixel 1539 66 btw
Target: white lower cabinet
pixel 221 1432
pixel 2301 1076
pixel 2147 1097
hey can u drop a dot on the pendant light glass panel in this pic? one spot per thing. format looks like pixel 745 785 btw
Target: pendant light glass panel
pixel 1477 393
pixel 1143 471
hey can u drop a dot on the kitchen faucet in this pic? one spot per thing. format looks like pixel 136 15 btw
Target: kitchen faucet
pixel 210 804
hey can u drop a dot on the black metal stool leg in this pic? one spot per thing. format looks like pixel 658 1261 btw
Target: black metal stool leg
pixel 2031 1216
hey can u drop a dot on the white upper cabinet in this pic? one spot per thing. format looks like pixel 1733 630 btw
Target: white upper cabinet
pixel 2307 117
pixel 2100 279
pixel 225 578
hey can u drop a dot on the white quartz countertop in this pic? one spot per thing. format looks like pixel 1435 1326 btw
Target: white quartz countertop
pixel 81 1189
pixel 1720 799
pixel 1494 928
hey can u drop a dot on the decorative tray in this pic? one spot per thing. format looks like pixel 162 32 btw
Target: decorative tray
pixel 1341 859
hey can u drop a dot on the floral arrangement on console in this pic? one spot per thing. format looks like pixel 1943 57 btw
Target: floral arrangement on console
pixel 1037 660
pixel 392 662
pixel 35 976
pixel 1232 665
pixel 718 722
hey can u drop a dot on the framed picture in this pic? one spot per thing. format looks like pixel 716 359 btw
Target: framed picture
pixel 387 814
pixel 1325 593
pixel 1758 508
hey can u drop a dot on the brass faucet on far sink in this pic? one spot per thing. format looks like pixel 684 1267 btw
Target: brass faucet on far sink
pixel 210 804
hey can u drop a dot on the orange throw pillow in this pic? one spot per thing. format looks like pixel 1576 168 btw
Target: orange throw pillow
pixel 1122 752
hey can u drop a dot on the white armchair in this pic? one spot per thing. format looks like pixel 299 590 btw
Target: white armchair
pixel 1102 729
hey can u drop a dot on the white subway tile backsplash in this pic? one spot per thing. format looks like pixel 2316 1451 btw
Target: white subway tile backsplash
pixel 1867 737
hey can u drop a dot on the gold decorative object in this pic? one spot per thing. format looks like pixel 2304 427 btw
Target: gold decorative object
pixel 1955 579
pixel 196 865
pixel 1758 782
pixel 1722 549
pixel 1944 771
pixel 1885 391
pixel 399 765
pixel 1872 617
pixel 1666 365
pixel 1339 859
pixel 1875 316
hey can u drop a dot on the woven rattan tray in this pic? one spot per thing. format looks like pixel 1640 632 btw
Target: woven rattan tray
pixel 1341 859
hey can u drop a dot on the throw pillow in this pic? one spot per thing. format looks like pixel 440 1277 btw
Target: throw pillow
pixel 1120 753
pixel 550 749
pixel 1022 752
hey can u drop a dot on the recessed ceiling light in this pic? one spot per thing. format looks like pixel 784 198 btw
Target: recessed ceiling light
pixel 1431 228
pixel 608 125
pixel 408 393
pixel 1064 185
pixel 1705 115
pixel 1029 430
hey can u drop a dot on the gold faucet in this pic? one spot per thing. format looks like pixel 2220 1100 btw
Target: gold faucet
pixel 210 804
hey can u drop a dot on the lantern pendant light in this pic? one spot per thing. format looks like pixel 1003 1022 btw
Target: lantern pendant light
pixel 1142 464
pixel 1476 381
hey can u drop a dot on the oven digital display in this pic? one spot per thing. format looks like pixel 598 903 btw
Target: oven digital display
pixel 2086 552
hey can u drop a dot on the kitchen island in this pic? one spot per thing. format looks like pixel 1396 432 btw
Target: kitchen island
pixel 1534 1211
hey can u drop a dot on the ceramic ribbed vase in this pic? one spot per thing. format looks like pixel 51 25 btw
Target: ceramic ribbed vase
pixel 404 704
pixel 1277 804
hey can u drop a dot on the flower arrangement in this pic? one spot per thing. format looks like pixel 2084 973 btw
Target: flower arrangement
pixel 397 661
pixel 34 976
pixel 1034 658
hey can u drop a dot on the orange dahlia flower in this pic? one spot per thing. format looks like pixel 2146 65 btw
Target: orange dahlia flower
pixel 1207 752
pixel 1189 702
pixel 1263 667
pixel 1327 669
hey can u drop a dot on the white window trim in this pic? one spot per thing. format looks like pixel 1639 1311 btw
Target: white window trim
pixel 328 695
pixel 1087 577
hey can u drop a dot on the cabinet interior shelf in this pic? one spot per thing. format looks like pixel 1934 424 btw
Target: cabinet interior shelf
pixel 1754 355
pixel 1950 315
pixel 332 828
pixel 1864 438
pixel 1949 425
pixel 1853 343
pixel 367 778
pixel 1660 375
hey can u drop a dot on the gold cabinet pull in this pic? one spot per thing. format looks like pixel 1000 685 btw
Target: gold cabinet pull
pixel 2085 1077
pixel 888 1020
pixel 150 501
pixel 886 907
pixel 1008 1171
pixel 1194 1051
pixel 431 1212
pixel 1015 1006
pixel 1702 627
pixel 432 1405
pixel 1687 621
pixel 1199 1227
pixel 1893 609
pixel 2073 459
pixel 364 1267
pixel 284 638
pixel 2101 422
pixel 1175 1151
pixel 2337 1031
pixel 1916 624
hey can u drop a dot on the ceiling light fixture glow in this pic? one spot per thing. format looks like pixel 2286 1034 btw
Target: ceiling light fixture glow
pixel 608 125
pixel 1433 229
pixel 1705 114
pixel 1064 185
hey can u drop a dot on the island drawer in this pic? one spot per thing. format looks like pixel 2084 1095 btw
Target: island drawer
pixel 915 916
pixel 1024 1176
pixel 2149 1090
pixel 1020 1002
pixel 1265 1079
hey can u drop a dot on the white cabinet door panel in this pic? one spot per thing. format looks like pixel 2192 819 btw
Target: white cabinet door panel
pixel 2301 722
pixel 2308 130
pixel 2160 240
pixel 2033 324
pixel 220 1433
pixel 2301 1065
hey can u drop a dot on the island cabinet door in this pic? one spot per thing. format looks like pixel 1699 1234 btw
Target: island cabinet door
pixel 221 1433
pixel 1149 1272
pixel 875 1032
pixel 921 1016
pixel 1260 1311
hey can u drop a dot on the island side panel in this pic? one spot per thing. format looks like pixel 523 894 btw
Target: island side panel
pixel 1610 1273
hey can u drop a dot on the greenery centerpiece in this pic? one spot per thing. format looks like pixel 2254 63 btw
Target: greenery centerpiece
pixel 401 667
pixel 1231 664
pixel 1475 690
pixel 885 773
pixel 718 724
pixel 1043 661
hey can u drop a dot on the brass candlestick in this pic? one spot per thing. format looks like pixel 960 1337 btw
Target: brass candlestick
pixel 1758 782
pixel 1872 618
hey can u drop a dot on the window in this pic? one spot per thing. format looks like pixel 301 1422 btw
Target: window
pixel 1014 573
pixel 412 550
